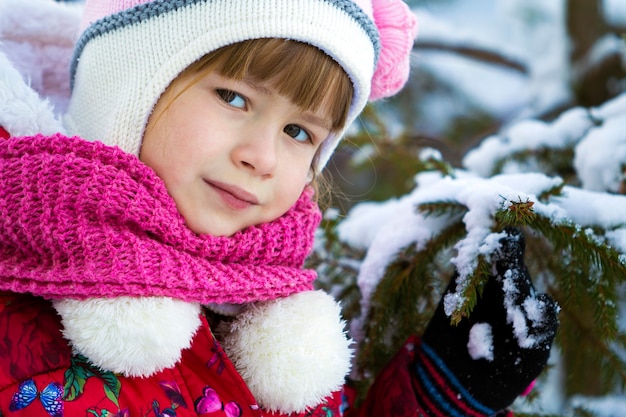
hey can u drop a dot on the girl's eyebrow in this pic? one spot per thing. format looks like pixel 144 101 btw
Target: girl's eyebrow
pixel 258 87
pixel 306 116
pixel 319 121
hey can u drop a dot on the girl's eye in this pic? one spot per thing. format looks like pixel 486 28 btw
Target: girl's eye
pixel 232 98
pixel 297 133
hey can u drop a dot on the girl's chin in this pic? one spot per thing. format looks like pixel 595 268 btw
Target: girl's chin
pixel 217 228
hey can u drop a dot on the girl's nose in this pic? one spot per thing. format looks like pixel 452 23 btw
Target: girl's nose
pixel 257 150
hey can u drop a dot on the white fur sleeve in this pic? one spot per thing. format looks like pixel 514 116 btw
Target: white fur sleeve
pixel 134 336
pixel 292 352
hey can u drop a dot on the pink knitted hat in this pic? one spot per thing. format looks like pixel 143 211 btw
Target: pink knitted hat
pixel 131 50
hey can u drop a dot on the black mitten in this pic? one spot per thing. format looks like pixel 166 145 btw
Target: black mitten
pixel 495 354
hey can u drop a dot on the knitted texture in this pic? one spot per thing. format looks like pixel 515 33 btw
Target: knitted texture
pixel 98 9
pixel 398 28
pixel 504 344
pixel 439 393
pixel 80 219
pixel 131 50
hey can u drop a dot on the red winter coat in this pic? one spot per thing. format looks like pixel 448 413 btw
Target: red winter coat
pixel 39 377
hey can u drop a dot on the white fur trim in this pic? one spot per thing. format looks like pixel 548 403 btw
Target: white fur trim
pixel 292 352
pixel 22 111
pixel 38 37
pixel 134 336
pixel 226 309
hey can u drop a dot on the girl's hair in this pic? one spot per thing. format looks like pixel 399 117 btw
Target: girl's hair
pixel 299 71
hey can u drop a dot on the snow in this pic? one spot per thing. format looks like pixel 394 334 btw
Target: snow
pixel 615 12
pixel 529 134
pixel 597 136
pixel 480 344
pixel 388 227
pixel 531 308
pixel 609 406
pixel 532 33
pixel 404 226
pixel 600 155
pixel 590 208
pixel 516 317
pixel 534 311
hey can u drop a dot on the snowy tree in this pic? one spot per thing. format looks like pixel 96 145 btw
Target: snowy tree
pixel 514 117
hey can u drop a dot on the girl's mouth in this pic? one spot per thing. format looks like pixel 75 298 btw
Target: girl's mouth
pixel 234 197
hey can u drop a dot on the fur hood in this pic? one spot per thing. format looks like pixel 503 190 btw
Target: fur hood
pixel 35 61
pixel 22 111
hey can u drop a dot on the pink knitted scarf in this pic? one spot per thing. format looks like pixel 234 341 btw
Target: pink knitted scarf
pixel 80 219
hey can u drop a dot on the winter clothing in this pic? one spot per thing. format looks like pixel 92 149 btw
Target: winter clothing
pixel 41 53
pixel 34 358
pixel 106 225
pixel 40 378
pixel 462 370
pixel 86 192
pixel 130 51
pixel 505 343
pixel 139 46
pixel 81 356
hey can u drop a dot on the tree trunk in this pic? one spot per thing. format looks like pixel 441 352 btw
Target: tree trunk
pixel 593 81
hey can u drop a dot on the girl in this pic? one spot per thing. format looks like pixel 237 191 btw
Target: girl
pixel 191 223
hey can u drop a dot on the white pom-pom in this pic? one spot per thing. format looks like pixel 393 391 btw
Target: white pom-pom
pixel 292 352
pixel 134 336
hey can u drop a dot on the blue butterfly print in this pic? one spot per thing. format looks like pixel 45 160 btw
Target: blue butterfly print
pixel 51 397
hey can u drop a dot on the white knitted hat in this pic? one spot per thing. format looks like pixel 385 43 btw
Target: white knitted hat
pixel 131 50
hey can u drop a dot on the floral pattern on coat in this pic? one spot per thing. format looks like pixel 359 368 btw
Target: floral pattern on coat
pixel 39 376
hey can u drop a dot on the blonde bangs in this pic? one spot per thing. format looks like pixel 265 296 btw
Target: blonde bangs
pixel 301 72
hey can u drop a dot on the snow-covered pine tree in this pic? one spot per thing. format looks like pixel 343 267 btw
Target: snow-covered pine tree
pixel 559 174
pixel 562 182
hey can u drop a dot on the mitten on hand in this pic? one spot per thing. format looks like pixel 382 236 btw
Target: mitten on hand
pixel 492 356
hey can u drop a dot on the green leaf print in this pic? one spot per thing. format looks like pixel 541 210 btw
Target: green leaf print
pixel 75 378
pixel 112 387
pixel 80 371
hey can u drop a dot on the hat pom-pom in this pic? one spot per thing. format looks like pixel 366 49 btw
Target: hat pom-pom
pixel 397 27
pixel 292 352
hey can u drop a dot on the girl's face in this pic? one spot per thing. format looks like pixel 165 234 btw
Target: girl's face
pixel 232 153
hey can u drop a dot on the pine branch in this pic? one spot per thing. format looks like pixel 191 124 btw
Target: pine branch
pixel 554 191
pixel 550 161
pixel 594 365
pixel 440 208
pixel 581 272
pixel 402 303
pixel 518 213
pixel 337 266
pixel 473 291
pixel 435 164
pixel 600 262
pixel 583 412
